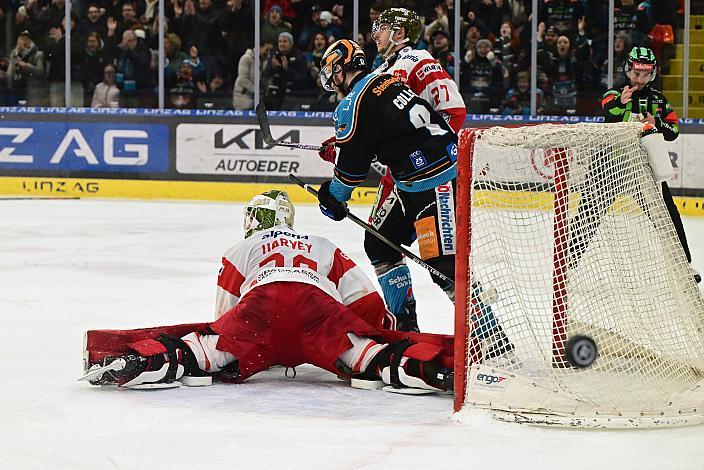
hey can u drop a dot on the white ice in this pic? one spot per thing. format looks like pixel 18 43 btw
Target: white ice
pixel 71 265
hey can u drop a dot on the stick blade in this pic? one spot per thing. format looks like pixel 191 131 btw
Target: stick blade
pixel 263 120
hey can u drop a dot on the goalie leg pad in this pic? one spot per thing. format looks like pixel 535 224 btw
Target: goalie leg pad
pixel 401 372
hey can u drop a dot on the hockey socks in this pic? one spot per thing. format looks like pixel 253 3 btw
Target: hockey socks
pixel 395 282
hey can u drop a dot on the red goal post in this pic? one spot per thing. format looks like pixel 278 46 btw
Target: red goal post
pixel 567 224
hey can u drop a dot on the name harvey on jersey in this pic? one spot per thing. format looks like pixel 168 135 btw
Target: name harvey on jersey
pixel 293 244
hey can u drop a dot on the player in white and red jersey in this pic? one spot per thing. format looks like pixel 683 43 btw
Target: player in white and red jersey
pixel 396 31
pixel 284 298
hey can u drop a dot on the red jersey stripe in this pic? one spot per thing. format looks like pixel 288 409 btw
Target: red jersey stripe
pixel 230 278
pixel 340 265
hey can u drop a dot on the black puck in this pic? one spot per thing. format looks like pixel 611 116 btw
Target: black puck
pixel 581 351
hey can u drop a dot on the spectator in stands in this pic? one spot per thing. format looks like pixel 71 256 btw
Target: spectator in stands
pixel 47 17
pixel 93 65
pixel 328 27
pixel 482 83
pixel 134 76
pixel 106 93
pixel 374 11
pixel 174 56
pixel 513 11
pixel 622 45
pixel 562 14
pixel 483 9
pixel 506 48
pixel 184 21
pixel 284 72
pixel 128 19
pixel 440 21
pixel 442 51
pixel 237 29
pixel 56 56
pixel 629 19
pixel 293 11
pixel 182 93
pixel 25 72
pixel 149 20
pixel 94 22
pixel 338 19
pixel 365 29
pixel 564 75
pixel 632 21
pixel 273 25
pixel 517 101
pixel 207 27
pixel 475 31
pixel 213 90
pixel 314 24
pixel 547 38
pixel 315 52
pixel 113 8
pixel 243 93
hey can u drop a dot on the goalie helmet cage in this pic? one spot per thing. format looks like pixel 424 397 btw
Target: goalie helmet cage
pixel 567 223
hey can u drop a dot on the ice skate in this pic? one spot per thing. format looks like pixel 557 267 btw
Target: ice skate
pixel 133 371
pixel 177 366
pixel 409 320
pixel 499 351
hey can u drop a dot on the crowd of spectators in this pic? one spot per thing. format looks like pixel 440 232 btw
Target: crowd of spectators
pixel 209 50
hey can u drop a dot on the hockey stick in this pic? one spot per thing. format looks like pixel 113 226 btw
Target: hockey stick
pixel 371 230
pixel 263 120
pixel 268 138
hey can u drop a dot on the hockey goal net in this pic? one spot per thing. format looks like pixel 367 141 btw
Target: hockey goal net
pixel 568 225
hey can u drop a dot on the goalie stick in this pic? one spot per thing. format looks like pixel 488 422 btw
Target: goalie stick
pixel 371 230
pixel 268 138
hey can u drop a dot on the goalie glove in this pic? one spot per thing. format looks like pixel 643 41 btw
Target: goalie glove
pixel 330 206
pixel 327 150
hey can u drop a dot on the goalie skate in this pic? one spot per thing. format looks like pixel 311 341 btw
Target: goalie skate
pixel 96 371
pixel 134 372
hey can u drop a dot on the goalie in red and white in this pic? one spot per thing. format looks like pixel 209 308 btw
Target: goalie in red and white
pixel 284 298
pixel 396 31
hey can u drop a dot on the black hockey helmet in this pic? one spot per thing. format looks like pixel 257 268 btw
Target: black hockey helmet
pixel 343 56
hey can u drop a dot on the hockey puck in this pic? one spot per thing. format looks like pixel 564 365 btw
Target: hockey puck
pixel 581 351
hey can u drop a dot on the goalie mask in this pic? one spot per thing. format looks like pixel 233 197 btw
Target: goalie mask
pixel 268 210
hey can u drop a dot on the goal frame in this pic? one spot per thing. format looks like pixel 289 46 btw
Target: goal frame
pixel 467 352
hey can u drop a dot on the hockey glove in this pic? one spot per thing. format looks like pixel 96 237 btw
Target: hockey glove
pixel 327 151
pixel 330 206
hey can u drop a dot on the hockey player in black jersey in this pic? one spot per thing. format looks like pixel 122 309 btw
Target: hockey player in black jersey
pixel 381 118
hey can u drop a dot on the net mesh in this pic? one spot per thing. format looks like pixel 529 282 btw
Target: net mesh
pixel 569 227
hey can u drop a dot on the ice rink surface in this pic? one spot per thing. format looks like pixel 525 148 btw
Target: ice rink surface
pixel 72 265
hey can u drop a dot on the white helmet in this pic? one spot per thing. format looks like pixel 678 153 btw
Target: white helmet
pixel 268 210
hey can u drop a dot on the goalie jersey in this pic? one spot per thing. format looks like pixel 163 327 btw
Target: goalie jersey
pixel 281 254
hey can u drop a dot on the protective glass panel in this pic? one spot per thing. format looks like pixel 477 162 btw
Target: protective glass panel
pixel 294 37
pixel 495 58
